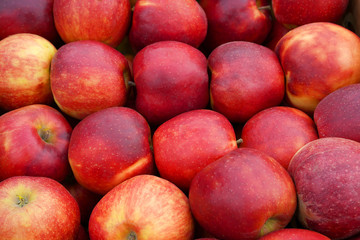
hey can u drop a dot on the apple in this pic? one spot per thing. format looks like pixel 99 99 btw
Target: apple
pixel 88 76
pixel 243 195
pixel 315 64
pixel 245 79
pixel 103 21
pixel 277 31
pixel 85 199
pixel 143 207
pixel 167 20
pixel 190 141
pixel 293 13
pixel 240 20
pixel 338 114
pixel 294 234
pixel 326 172
pixel 108 147
pixel 34 141
pixel 25 71
pixel 279 132
pixel 170 78
pixel 37 208
pixel 31 16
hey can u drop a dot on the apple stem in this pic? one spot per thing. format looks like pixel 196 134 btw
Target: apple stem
pixel 239 141
pixel 22 201
pixel 267 7
pixel 132 236
pixel 131 84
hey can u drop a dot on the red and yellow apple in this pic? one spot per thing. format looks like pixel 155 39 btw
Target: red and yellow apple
pixel 34 141
pixel 25 71
pixel 143 207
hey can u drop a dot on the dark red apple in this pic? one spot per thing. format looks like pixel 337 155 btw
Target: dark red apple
pixel 167 20
pixel 245 79
pixel 326 175
pixel 190 141
pixel 243 195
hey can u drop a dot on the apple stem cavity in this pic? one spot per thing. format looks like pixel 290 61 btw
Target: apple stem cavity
pixel 44 134
pixel 22 201
pixel 132 236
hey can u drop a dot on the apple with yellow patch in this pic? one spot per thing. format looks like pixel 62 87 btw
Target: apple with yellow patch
pixel 315 64
pixel 37 208
pixel 25 71
pixel 34 141
pixel 110 146
pixel 143 207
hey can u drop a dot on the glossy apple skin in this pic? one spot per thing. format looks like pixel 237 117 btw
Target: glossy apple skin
pixel 88 76
pixel 25 71
pixel 103 151
pixel 201 137
pixel 34 141
pixel 32 16
pixel 294 234
pixel 294 13
pixel 171 78
pixel 103 21
pixel 338 114
pixel 326 173
pixel 49 211
pixel 279 132
pixel 146 206
pixel 167 20
pixel 245 79
pixel 315 64
pixel 246 187
pixel 240 20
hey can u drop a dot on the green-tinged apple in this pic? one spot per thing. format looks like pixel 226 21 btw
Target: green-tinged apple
pixel 25 71
pixel 236 20
pixel 171 78
pixel 167 20
pixel 245 79
pixel 326 175
pixel 338 114
pixel 279 132
pixel 84 197
pixel 294 234
pixel 293 13
pixel 37 208
pixel 143 207
pixel 31 16
pixel 108 147
pixel 243 195
pixel 103 21
pixel 34 141
pixel 190 141
pixel 88 76
pixel 315 64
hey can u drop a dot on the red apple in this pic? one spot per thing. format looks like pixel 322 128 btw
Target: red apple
pixel 190 141
pixel 103 21
pixel 315 64
pixel 243 195
pixel 37 208
pixel 236 20
pixel 245 79
pixel 87 76
pixel 171 78
pixel 338 114
pixel 108 147
pixel 34 141
pixel 279 132
pixel 85 199
pixel 167 20
pixel 31 16
pixel 326 175
pixel 292 13
pixel 294 234
pixel 143 207
pixel 25 71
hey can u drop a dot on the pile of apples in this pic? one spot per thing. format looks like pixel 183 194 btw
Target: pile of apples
pixel 179 119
